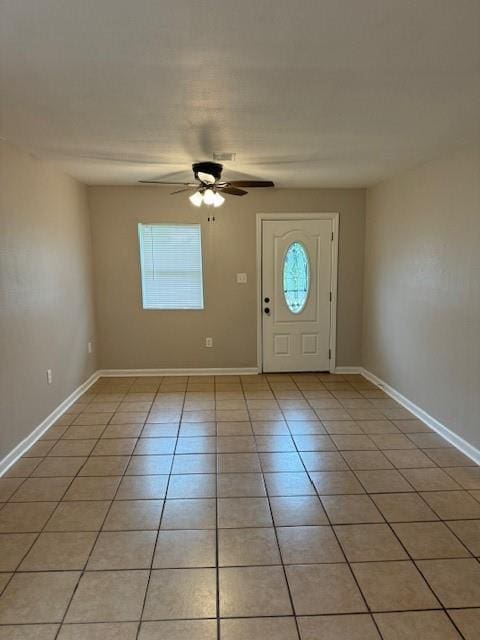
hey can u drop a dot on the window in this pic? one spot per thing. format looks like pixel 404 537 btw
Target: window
pixel 296 277
pixel 171 266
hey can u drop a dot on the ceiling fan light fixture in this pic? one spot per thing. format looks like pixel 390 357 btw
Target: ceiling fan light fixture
pixel 209 197
pixel 218 200
pixel 196 199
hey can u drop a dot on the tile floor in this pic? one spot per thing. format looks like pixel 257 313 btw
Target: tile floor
pixel 294 507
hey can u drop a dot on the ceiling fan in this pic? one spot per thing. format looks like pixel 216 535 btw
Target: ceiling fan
pixel 209 187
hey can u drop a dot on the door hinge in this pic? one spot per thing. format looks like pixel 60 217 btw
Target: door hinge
pixel 329 354
pixel 332 236
pixel 330 296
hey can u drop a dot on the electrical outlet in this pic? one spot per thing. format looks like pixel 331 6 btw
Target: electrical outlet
pixel 90 347
pixel 49 376
pixel 241 278
pixel 209 342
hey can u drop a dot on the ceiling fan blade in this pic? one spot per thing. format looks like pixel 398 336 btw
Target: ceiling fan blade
pixel 206 178
pixel 182 190
pixel 251 183
pixel 185 184
pixel 233 191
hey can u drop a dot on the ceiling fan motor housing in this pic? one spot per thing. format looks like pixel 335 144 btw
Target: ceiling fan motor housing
pixel 213 168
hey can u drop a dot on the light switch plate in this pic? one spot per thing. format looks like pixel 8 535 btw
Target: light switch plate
pixel 241 278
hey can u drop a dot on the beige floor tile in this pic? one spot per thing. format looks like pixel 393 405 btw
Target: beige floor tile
pixel 78 516
pixel 394 586
pixel 122 550
pixel 134 515
pixel 323 461
pixel 452 505
pixel 23 468
pixel 389 481
pixel 156 446
pixel 238 463
pixel 142 488
pixel 409 458
pixel 194 463
pixel 306 427
pixel 430 480
pixel 336 482
pixel 41 490
pixel 378 427
pixel 469 533
pixel 351 509
pixel 104 466
pixel 185 549
pixel 427 625
pixel 13 547
pixel 243 512
pixel 39 449
pixel 429 540
pixel 253 591
pixel 403 507
pixel 79 434
pixel 99 631
pixel 247 547
pixel 297 511
pixel 369 542
pixel 316 442
pixel 347 627
pixel 59 551
pixel 179 630
pixel 149 465
pixel 122 431
pixel 270 427
pixel 181 593
pixel 29 632
pixel 309 545
pixel 93 488
pixel 366 460
pixel 194 445
pixel 269 443
pixel 353 442
pixel 281 462
pixel 283 628
pixel 240 485
pixel 137 417
pixel 411 426
pixel 468 621
pixel 449 458
pixel 37 597
pixel 8 486
pixel 192 486
pixel 289 484
pixel 455 582
pixel 236 444
pixel 323 589
pixel 467 477
pixel 235 429
pixel 342 427
pixel 189 514
pixel 52 466
pixel 429 441
pixel 392 441
pixel 164 429
pixel 108 596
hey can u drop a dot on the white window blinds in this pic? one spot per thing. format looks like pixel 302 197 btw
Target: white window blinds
pixel 171 266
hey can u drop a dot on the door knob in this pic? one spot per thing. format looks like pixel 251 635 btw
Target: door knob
pixel 267 310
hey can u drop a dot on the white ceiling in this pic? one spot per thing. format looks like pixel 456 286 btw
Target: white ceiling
pixel 308 93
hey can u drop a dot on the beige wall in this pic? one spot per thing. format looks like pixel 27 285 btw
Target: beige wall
pixel 421 329
pixel 46 293
pixel 130 337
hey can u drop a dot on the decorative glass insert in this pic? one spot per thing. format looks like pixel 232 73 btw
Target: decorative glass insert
pixel 296 277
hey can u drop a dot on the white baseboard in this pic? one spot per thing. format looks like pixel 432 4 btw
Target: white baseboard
pixel 23 446
pixel 348 370
pixel 450 436
pixel 222 371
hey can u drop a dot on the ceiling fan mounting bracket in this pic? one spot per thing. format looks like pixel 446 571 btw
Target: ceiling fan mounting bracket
pixel 213 168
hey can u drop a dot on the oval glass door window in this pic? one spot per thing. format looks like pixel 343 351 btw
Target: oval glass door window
pixel 296 277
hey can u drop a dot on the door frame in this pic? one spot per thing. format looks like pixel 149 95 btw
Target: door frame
pixel 335 218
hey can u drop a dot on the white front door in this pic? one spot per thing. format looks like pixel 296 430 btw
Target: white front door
pixel 296 294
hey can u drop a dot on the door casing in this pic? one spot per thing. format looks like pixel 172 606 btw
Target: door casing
pixel 334 217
